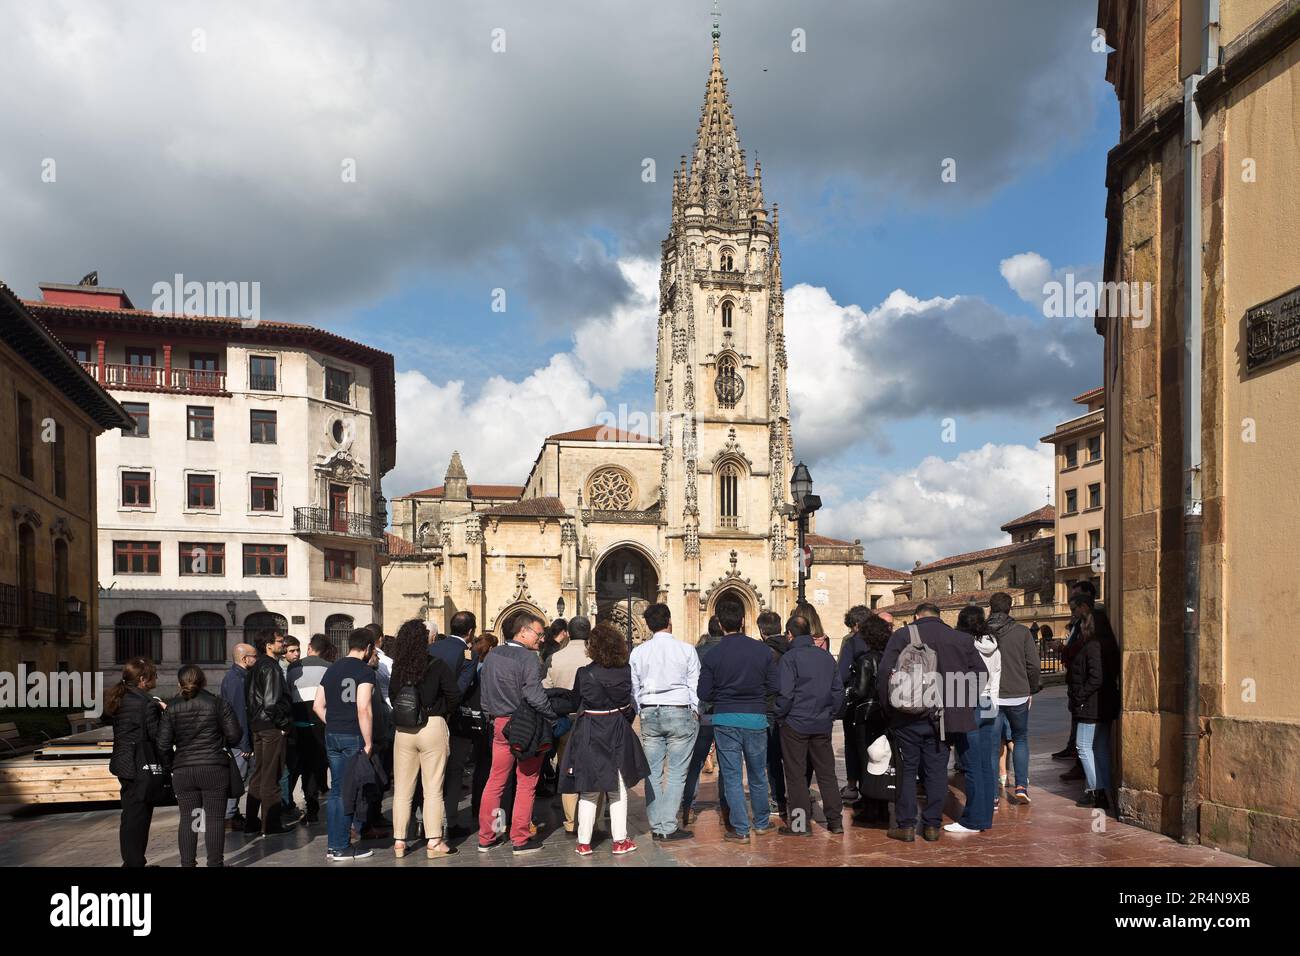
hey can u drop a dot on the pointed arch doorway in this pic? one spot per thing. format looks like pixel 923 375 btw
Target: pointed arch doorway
pixel 612 591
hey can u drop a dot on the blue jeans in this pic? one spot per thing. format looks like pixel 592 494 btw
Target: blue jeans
pixel 666 732
pixel 1016 719
pixel 742 749
pixel 339 750
pixel 703 741
pixel 1093 745
pixel 978 750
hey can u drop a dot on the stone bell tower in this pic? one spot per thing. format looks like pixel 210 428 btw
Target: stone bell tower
pixel 720 379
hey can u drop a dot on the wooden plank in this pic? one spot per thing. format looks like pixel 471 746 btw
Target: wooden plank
pixel 81 797
pixel 52 770
pixel 77 784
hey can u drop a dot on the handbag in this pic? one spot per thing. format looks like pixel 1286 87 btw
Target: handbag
pixel 152 778
pixel 236 778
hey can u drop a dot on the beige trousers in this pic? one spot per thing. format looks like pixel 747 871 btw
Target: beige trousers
pixel 420 753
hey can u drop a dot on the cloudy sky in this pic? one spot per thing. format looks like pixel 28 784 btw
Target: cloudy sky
pixel 501 144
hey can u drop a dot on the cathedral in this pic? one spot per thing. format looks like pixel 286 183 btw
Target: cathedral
pixel 608 521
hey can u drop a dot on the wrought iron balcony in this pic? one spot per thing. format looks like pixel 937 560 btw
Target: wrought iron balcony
pixel 348 524
pixel 1074 559
pixel 26 608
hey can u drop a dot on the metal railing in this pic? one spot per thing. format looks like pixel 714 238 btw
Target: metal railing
pixel 1050 660
pixel 349 523
pixel 21 607
pixel 261 383
pixel 154 378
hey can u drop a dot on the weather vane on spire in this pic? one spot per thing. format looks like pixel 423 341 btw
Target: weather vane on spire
pixel 717 32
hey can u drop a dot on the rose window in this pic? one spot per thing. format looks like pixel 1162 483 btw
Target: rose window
pixel 609 490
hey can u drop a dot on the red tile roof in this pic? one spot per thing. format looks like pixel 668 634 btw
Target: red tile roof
pixel 1044 515
pixel 475 491
pixel 1089 395
pixel 943 601
pixel 876 572
pixel 983 554
pixel 398 547
pixel 529 508
pixel 821 541
pixel 598 433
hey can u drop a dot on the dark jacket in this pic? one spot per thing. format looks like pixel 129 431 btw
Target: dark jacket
pixel 602 745
pixel 811 693
pixel 1092 679
pixel 233 692
pixel 529 731
pixel 137 714
pixel 451 651
pixel 200 728
pixel 707 643
pixel 1021 671
pixel 512 675
pixel 851 647
pixel 960 665
pixel 737 676
pixel 439 695
pixel 266 694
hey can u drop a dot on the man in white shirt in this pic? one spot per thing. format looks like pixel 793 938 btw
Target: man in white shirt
pixel 665 675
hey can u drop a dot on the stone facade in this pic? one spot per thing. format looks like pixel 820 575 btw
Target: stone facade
pixel 50 414
pixel 1245 255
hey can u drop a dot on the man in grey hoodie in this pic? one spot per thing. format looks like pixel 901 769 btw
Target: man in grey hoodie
pixel 1021 679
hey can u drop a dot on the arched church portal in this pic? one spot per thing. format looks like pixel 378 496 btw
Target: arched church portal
pixel 747 602
pixel 612 591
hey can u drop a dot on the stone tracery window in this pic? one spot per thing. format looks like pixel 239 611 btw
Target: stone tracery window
pixel 729 496
pixel 729 386
pixel 610 489
pixel 726 314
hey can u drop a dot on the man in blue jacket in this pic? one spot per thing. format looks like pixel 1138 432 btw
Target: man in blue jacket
pixel 232 691
pixel 810 697
pixel 454 651
pixel 736 678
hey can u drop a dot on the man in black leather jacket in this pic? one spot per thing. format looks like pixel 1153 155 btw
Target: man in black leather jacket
pixel 270 717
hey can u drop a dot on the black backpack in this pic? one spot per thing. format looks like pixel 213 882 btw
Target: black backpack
pixel 408 708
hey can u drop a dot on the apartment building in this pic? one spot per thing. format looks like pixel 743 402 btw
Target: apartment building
pixel 1080 496
pixel 247 492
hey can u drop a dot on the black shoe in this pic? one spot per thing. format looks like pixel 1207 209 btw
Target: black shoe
pixel 905 834
pixel 1102 800
pixel 931 834
pixel 532 846
pixel 1064 754
pixel 674 837
pixel 291 814
pixel 276 824
pixel 791 831
pixel 492 844
pixel 836 828
pixel 1074 773
pixel 313 816
pixel 731 836
pixel 252 826
pixel 1087 800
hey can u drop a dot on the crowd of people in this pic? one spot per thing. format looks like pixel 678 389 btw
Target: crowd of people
pixel 571 709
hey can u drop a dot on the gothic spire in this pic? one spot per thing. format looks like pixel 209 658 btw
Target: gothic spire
pixel 718 179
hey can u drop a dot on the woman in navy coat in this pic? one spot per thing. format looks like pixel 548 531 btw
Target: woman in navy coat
pixel 604 755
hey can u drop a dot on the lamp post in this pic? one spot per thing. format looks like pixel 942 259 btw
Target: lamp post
pixel 559 607
pixel 629 580
pixel 805 503
pixel 230 609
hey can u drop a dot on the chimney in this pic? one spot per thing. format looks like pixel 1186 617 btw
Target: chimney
pixel 87 293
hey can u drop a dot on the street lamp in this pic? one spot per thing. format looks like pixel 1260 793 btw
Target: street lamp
pixel 559 607
pixel 629 581
pixel 230 609
pixel 805 503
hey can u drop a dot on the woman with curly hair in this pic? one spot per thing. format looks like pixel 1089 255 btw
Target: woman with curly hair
pixel 423 692
pixel 603 755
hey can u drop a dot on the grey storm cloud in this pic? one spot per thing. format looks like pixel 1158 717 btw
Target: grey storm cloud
pixel 209 139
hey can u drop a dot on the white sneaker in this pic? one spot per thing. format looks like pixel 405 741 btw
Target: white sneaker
pixel 958 828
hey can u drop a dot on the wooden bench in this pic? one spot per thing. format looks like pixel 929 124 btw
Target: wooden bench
pixel 9 737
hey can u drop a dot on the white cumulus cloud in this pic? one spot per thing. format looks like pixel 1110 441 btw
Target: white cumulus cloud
pixel 944 506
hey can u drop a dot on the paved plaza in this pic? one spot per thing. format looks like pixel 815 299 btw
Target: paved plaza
pixel 1049 832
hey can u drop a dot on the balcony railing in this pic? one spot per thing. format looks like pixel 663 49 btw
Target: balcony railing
pixel 154 378
pixel 350 524
pixel 20 607
pixel 1073 559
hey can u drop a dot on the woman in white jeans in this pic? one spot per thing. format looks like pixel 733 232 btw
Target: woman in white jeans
pixel 604 755
pixel 422 693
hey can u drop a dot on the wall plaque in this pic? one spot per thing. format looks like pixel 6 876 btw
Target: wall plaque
pixel 1273 330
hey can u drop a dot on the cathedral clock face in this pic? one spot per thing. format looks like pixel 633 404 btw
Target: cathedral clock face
pixel 729 386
